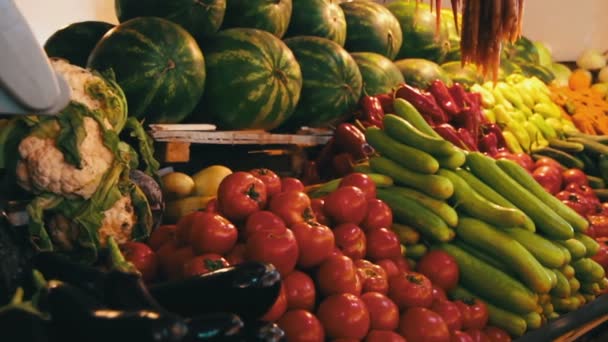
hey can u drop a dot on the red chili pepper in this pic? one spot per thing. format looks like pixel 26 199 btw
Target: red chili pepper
pixel 449 133
pixel 488 144
pixel 423 101
pixel 459 95
pixel 372 111
pixel 343 164
pixel 386 100
pixel 466 136
pixel 474 101
pixel 442 95
pixel 348 138
pixel 494 128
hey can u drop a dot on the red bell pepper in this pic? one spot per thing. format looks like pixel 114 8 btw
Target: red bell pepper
pixel 371 111
pixel 348 138
pixel 343 164
pixel 459 95
pixel 442 95
pixel 494 128
pixel 424 102
pixel 467 137
pixel 449 133
pixel 488 144
pixel 386 100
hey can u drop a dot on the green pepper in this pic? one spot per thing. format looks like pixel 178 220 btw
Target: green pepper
pixel 546 129
pixel 548 110
pixel 521 134
pixel 511 141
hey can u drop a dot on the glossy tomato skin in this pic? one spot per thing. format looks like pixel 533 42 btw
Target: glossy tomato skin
pixel 389 267
pixel 379 215
pixel 292 206
pixel 383 243
pixel 142 257
pixel 574 201
pixel 585 191
pixel 576 176
pixel 291 184
pixel 478 335
pixel 203 264
pixel 410 289
pixel 383 312
pixel 423 325
pixel 346 204
pixel 344 315
pixel 450 314
pixel 161 235
pixel 474 313
pixel 402 264
pixel 212 233
pixel 270 179
pixel 351 240
pixel 550 162
pixel 237 254
pixel 439 294
pixel 373 277
pixel 461 336
pixel 361 181
pixel 262 220
pixel 496 334
pixel 300 291
pixel 441 268
pixel 278 308
pixel 549 177
pixel 279 249
pixel 317 205
pixel 383 336
pixel 301 326
pixel 315 243
pixel 338 274
pixel 240 194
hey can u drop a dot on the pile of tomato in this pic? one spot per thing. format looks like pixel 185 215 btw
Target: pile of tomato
pixel 344 275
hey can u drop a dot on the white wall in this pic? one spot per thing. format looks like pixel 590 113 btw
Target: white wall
pixel 567 26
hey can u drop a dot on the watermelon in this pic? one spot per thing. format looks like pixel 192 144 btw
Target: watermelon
pixel 321 18
pixel 421 72
pixel 272 16
pixel 380 74
pixel 332 82
pixel 418 27
pixel 201 18
pixel 76 41
pixel 467 75
pixel 254 80
pixel 371 27
pixel 158 65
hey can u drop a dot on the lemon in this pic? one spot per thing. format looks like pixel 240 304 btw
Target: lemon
pixel 208 180
pixel 177 185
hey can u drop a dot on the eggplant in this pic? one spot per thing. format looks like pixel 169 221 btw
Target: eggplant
pixel 260 331
pixel 153 192
pixel 248 289
pixel 23 325
pixel 214 327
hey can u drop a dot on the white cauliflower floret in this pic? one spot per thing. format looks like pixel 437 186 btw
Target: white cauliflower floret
pixel 43 167
pixel 118 222
pixel 76 78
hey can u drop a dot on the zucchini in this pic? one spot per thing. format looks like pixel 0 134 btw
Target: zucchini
pixel 543 250
pixel 407 111
pixel 576 248
pixel 591 245
pixel 441 208
pixel 406 133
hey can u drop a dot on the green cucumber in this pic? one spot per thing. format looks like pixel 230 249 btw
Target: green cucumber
pixel 543 250
pixel 545 219
pixel 416 251
pixel 406 133
pixel 491 194
pixel 454 160
pixel 594 182
pixel 432 185
pixel 568 271
pixel 406 156
pixel 566 145
pixel 575 284
pixel 588 270
pixel 407 235
pixel 576 248
pixel 562 289
pixel 533 320
pixel 591 245
pixel 565 251
pixel 474 204
pixel 407 111
pixel 591 288
pixel 498 264
pixel 566 159
pixel 590 145
pixel 439 207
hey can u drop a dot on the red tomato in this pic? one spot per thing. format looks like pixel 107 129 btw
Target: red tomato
pixel 164 253
pixel 379 215
pixel 478 335
pixel 409 289
pixel 184 226
pixel 204 264
pixel 213 206
pixel 373 277
pixel 301 326
pixel 450 314
pixel 317 205
pixel 441 268
pixel 598 225
pixel 237 254
pixel 336 252
pixel 474 313
pixel 383 243
pixel 142 257
pixel 173 267
pixel 438 294
pixel 240 194
pixel 351 240
pixel 278 308
pixel 270 179
pixel 262 220
pixel 300 291
pixel 292 206
pixel 549 162
pixel 346 205
pixel 389 267
pixel 279 249
pixel 496 334
pixel 585 191
pixel 601 257
pixel 549 177
pixel 383 312
pixel 161 235
pixel 460 336
pixel 525 160
pixel 315 243
pixel 575 201
pixel 402 264
pixel 361 181
pixel 291 184
pixel 338 274
pixel 383 336
pixel 575 176
pixel 423 325
pixel 212 233
pixel 344 315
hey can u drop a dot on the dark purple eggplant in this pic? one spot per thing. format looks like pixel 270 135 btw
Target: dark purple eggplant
pixel 260 331
pixel 214 327
pixel 153 192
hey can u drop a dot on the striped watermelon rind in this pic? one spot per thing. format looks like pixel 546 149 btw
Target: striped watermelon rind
pixel 371 27
pixel 75 42
pixel 158 65
pixel 420 72
pixel 321 18
pixel 254 81
pixel 380 74
pixel 201 18
pixel 332 82
pixel 271 16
